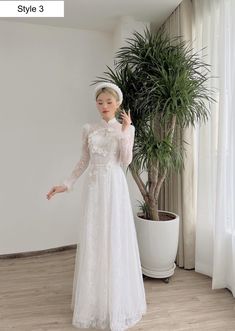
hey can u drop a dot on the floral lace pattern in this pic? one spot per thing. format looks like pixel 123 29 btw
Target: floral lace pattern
pixel 102 143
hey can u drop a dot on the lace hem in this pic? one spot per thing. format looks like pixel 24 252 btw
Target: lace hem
pixel 97 323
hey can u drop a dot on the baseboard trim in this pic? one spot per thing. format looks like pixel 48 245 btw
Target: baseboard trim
pixel 34 253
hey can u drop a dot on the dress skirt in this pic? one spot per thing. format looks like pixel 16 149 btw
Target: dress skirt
pixel 108 288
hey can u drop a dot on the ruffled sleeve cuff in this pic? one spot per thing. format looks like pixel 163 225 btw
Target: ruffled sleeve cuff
pixel 67 185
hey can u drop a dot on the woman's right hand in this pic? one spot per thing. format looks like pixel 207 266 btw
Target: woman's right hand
pixel 56 189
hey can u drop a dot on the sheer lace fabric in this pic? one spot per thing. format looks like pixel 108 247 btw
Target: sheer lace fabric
pixel 108 288
pixel 103 152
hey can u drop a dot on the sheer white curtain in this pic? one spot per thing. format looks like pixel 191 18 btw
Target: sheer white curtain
pixel 214 28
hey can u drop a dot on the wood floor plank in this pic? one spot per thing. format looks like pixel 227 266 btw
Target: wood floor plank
pixel 35 295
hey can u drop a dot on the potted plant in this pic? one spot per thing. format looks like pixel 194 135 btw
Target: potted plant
pixel 165 87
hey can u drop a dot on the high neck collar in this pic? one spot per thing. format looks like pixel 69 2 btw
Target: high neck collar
pixel 111 121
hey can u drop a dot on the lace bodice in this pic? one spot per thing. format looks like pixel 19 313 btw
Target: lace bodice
pixel 103 144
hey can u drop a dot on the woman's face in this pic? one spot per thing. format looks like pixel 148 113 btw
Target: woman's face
pixel 107 105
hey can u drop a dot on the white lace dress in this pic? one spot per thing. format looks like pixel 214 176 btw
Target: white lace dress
pixel 108 288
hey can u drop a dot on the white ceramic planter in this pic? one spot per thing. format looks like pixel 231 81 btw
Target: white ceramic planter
pixel 158 243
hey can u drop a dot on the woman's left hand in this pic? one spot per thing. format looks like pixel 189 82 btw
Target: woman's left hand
pixel 126 119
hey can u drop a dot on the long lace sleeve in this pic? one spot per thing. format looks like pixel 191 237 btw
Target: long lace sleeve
pixel 82 164
pixel 126 143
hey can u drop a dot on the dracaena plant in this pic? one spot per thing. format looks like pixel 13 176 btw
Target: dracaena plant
pixel 165 86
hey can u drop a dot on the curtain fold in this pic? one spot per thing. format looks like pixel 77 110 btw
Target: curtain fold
pixel 214 29
pixel 203 194
pixel 178 193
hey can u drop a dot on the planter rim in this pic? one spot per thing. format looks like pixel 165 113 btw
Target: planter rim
pixel 163 211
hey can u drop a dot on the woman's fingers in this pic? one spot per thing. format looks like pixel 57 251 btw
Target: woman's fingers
pixel 129 114
pixel 51 192
pixel 56 189
pixel 126 116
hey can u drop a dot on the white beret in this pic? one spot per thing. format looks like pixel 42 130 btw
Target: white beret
pixel 112 86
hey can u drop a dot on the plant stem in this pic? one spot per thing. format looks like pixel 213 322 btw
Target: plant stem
pixel 161 179
pixel 152 181
pixel 159 184
pixel 139 182
pixel 171 131
pixel 153 209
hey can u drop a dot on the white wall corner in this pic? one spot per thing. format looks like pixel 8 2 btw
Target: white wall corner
pixel 124 29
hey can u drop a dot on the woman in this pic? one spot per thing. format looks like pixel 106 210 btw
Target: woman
pixel 108 289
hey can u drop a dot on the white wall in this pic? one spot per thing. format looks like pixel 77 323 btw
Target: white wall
pixel 45 100
pixel 124 29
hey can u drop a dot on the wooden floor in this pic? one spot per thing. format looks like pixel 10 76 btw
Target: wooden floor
pixel 35 295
